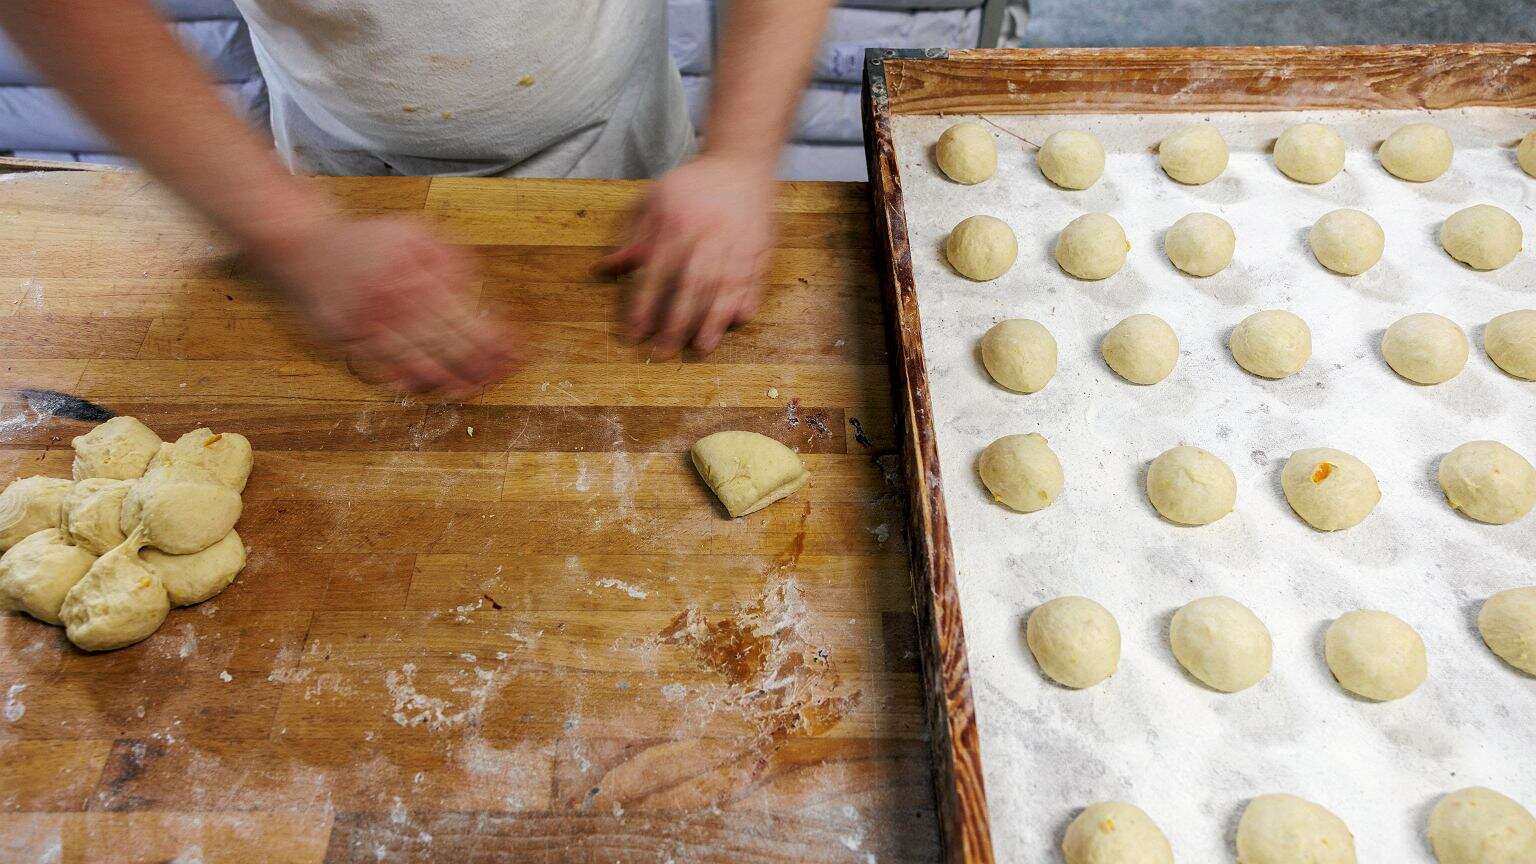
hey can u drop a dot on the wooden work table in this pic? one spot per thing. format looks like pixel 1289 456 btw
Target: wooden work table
pixel 516 630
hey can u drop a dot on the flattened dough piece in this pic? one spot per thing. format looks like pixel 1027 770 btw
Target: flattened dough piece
pixel 1222 643
pixel 119 449
pixel 1510 340
pixel 1075 641
pixel 1329 489
pixel 118 603
pixel 190 579
pixel 1191 486
pixel 1508 624
pixel 1477 825
pixel 36 573
pixel 1114 832
pixel 180 510
pixel 29 505
pixel 91 514
pixel 747 471
pixel 224 455
pixel 1488 482
pixel 1375 654
pixel 1285 829
pixel 1021 472
pixel 1019 354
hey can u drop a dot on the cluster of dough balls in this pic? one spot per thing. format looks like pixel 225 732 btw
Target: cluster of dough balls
pixel 1474 825
pixel 144 525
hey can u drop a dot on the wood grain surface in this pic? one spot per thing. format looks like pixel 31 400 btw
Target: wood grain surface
pixel 518 629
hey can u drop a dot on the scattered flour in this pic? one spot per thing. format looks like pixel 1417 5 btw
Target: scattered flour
pixel 14 709
pixel 627 588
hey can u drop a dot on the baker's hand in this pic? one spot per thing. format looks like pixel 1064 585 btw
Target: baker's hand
pixel 700 243
pixel 394 299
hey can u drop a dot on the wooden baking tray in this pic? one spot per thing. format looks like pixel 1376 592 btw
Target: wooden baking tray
pixel 1064 81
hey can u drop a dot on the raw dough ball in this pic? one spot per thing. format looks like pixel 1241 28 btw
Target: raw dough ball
pixel 1419 152
pixel 981 248
pixel 1480 826
pixel 29 505
pixel 1329 489
pixel 967 153
pixel 37 572
pixel 1222 643
pixel 1200 244
pixel 1525 154
pixel 225 455
pixel 1284 829
pixel 747 471
pixel 1142 349
pixel 1482 237
pixel 1019 354
pixel 1375 655
pixel 1425 348
pixel 1021 471
pixel 1347 241
pixel 1309 153
pixel 1092 246
pixel 1510 341
pixel 1193 155
pixel 1191 486
pixel 1508 625
pixel 190 579
pixel 90 515
pixel 179 510
pixel 119 449
pixel 1488 482
pixel 1075 640
pixel 1271 344
pixel 119 602
pixel 1071 159
pixel 1114 832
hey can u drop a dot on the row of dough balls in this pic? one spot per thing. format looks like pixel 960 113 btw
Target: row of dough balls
pixel 1310 153
pixel 1021 355
pixel 1329 489
pixel 1220 642
pixel 1475 825
pixel 1346 241
pixel 144 525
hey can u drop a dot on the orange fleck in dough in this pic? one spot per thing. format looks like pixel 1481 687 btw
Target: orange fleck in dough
pixel 1322 472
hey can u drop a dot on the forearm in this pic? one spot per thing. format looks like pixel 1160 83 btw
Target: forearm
pixel 765 61
pixel 125 71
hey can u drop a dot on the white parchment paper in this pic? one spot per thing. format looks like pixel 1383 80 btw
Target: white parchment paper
pixel 1152 735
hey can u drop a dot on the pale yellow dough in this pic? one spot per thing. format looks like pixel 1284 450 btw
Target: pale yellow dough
pixel 1193 155
pixel 1309 153
pixel 91 514
pixel 190 579
pixel 1347 241
pixel 117 603
pixel 1418 152
pixel 1191 486
pixel 1200 244
pixel 1285 829
pixel 1075 641
pixel 1375 654
pixel 29 505
pixel 1222 643
pixel 747 471
pixel 119 449
pixel 1092 246
pixel 1510 340
pixel 1019 354
pixel 967 153
pixel 36 573
pixel 1021 472
pixel 981 248
pixel 1508 625
pixel 1071 159
pixel 179 510
pixel 225 455
pixel 1114 832
pixel 1329 489
pixel 1273 343
pixel 1142 349
pixel 1488 481
pixel 1525 153
pixel 1483 237
pixel 1425 348
pixel 1477 825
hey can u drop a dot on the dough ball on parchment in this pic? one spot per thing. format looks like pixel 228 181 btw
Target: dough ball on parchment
pixel 190 579
pixel 29 505
pixel 1488 482
pixel 1284 829
pixel 179 510
pixel 981 248
pixel 1194 154
pixel 1425 348
pixel 36 573
pixel 1191 486
pixel 1071 159
pixel 1510 341
pixel 1271 344
pixel 1021 471
pixel 1092 246
pixel 1525 153
pixel 1200 244
pixel 91 514
pixel 1019 354
pixel 1347 241
pixel 1114 832
pixel 967 153
pixel 1075 641
pixel 1483 237
pixel 225 455
pixel 1329 489
pixel 1375 654
pixel 117 603
pixel 119 449
pixel 1222 643
pixel 1418 152
pixel 1142 349
pixel 1477 825
pixel 1508 624
pixel 1309 153
pixel 747 471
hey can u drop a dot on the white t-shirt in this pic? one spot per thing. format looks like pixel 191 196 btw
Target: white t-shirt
pixel 579 88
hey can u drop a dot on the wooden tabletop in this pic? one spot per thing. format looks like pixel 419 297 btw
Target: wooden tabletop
pixel 518 629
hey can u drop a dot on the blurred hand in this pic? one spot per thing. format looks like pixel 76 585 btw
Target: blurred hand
pixel 394 300
pixel 700 243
